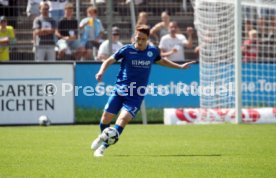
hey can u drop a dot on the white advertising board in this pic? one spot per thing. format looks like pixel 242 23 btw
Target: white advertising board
pixel 181 116
pixel 28 91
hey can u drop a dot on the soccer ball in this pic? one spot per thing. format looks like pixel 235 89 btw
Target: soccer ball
pixel 44 120
pixel 110 135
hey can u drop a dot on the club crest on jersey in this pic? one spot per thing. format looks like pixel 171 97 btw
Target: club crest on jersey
pixel 150 54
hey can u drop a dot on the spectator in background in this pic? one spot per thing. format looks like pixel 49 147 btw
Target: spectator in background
pixel 249 15
pixel 56 9
pixel 266 27
pixel 92 32
pixel 267 18
pixel 9 8
pixel 172 45
pixel 210 46
pixel 141 20
pixel 103 52
pixel 43 30
pixel 250 47
pixel 33 8
pixel 67 32
pixel 4 2
pixel 161 28
pixel 7 38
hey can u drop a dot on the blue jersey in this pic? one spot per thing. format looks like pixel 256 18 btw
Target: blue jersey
pixel 135 64
pixel 135 69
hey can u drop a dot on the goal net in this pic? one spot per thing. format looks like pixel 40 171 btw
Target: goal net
pixel 215 25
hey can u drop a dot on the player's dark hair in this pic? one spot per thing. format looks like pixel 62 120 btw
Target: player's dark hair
pixel 143 29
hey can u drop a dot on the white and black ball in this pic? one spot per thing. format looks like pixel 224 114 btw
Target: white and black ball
pixel 111 135
pixel 43 120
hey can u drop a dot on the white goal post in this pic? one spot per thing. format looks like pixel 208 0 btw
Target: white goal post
pixel 237 47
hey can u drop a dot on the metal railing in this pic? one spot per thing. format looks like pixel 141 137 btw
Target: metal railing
pixel 23 49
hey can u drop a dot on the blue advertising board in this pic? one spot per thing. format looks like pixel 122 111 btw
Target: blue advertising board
pixel 259 84
pixel 164 84
pixel 172 87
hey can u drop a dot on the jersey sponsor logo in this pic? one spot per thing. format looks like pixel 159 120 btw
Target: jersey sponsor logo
pixel 141 63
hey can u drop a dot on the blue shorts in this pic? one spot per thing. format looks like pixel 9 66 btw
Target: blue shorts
pixel 117 102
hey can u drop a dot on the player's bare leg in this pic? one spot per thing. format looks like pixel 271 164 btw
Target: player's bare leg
pixel 107 117
pixel 124 118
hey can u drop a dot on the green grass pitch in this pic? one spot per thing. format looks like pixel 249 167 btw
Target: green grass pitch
pixel 143 151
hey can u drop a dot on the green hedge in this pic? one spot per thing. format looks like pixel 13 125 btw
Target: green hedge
pixel 92 116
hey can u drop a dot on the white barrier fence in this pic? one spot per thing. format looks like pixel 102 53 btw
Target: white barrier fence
pixel 28 91
pixel 174 116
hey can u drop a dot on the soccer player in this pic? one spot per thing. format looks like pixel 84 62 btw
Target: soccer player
pixel 136 61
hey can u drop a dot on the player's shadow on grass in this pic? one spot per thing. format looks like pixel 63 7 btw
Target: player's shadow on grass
pixel 173 155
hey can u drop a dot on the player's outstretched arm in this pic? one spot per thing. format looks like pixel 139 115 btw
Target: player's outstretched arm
pixel 103 68
pixel 167 63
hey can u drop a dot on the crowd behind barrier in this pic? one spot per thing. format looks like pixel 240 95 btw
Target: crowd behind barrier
pixel 27 10
pixel 58 35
